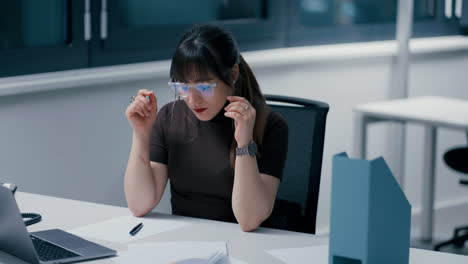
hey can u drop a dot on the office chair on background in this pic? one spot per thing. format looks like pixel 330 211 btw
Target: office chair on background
pixel 457 159
pixel 296 202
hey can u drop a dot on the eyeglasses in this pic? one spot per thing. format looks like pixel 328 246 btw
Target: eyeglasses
pixel 183 89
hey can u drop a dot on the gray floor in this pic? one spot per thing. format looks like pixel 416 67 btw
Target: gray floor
pixel 444 223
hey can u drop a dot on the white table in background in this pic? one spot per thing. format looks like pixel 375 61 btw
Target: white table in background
pixel 431 112
pixel 249 247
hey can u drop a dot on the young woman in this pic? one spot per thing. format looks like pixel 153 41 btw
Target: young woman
pixel 221 147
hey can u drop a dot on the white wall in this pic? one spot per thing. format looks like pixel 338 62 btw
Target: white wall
pixel 68 136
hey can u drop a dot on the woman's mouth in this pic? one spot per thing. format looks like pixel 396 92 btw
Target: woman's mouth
pixel 199 110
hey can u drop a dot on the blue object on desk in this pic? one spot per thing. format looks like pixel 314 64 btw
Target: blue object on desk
pixel 370 214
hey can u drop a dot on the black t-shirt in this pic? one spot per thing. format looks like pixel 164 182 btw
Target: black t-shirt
pixel 197 156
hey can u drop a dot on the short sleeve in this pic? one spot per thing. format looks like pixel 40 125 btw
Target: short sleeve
pixel 158 143
pixel 274 148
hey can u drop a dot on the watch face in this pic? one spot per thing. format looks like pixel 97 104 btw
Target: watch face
pixel 252 149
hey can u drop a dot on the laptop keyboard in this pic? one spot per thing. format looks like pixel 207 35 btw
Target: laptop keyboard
pixel 48 251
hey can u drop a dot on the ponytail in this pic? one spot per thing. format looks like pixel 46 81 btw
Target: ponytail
pixel 247 87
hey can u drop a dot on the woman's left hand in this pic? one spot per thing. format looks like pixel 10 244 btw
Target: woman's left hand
pixel 243 114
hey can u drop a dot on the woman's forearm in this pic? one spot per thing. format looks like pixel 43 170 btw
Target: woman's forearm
pixel 251 201
pixel 139 182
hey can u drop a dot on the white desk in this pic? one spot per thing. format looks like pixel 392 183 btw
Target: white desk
pixel 431 112
pixel 66 214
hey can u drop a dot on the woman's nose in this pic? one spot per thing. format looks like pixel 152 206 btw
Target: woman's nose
pixel 194 96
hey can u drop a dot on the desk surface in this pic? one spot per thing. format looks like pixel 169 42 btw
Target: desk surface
pixel 67 214
pixel 439 111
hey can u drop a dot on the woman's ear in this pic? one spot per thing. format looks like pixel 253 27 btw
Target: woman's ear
pixel 234 73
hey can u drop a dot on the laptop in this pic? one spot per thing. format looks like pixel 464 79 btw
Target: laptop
pixel 48 246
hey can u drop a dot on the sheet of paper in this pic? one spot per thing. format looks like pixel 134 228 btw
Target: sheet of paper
pixel 117 229
pixel 232 260
pixel 319 255
pixel 315 254
pixel 172 252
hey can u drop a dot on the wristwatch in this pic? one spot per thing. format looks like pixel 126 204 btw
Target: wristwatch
pixel 250 149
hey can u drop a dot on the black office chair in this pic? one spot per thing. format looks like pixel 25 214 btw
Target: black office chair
pixel 296 204
pixel 457 159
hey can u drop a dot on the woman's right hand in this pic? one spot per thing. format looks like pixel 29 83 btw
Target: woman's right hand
pixel 141 114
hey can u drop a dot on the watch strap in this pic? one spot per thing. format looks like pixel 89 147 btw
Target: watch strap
pixel 250 149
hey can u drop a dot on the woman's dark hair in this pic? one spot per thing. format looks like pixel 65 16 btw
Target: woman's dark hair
pixel 210 49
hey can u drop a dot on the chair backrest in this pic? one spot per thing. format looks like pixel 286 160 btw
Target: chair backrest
pixel 297 198
pixel 456 160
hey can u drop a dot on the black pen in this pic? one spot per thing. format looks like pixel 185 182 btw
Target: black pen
pixel 135 230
